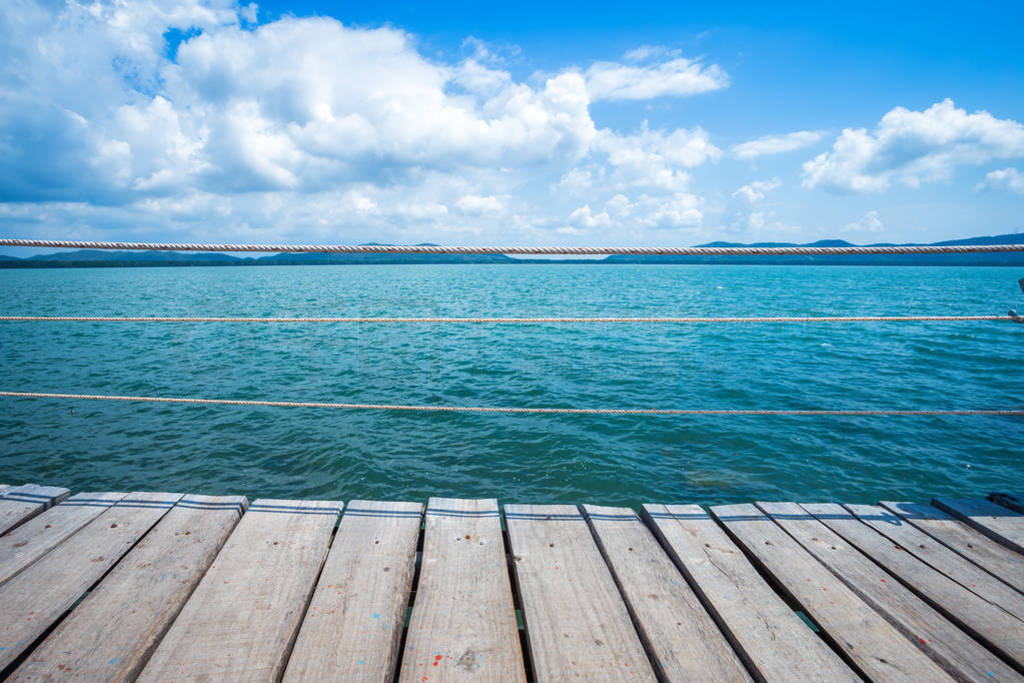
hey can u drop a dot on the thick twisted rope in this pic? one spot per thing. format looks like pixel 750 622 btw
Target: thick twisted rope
pixel 1014 412
pixel 388 320
pixel 565 251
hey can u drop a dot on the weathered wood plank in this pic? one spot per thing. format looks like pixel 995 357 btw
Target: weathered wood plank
pixel 771 638
pixel 576 622
pixel 111 634
pixel 950 563
pixel 38 536
pixel 964 540
pixel 241 621
pixel 683 641
pixel 980 618
pixel 354 623
pixel 463 624
pixel 18 504
pixel 36 598
pixel 874 645
pixel 959 654
pixel 1014 501
pixel 995 521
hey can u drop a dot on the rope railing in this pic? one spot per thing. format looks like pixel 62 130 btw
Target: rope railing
pixel 517 320
pixel 523 251
pixel 1004 412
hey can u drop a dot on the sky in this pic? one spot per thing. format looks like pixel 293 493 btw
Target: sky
pixel 522 124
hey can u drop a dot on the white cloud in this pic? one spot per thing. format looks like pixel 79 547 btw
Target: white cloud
pixel 1005 179
pixel 475 205
pixel 757 190
pixel 869 222
pixel 913 147
pixel 776 144
pixel 676 76
pixel 583 217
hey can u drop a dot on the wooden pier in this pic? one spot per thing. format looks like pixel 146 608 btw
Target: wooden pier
pixel 171 587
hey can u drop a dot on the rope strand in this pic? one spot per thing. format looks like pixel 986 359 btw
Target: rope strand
pixel 565 251
pixel 390 320
pixel 1014 412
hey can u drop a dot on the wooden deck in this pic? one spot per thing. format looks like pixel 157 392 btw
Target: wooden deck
pixel 167 586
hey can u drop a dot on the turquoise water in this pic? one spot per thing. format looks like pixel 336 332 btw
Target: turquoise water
pixel 311 453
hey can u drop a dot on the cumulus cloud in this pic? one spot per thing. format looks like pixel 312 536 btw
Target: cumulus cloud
pixel 757 190
pixel 869 222
pixel 1004 179
pixel 776 144
pixel 643 81
pixel 913 147
pixel 153 119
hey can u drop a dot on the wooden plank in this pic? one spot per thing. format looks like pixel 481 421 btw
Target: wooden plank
pixel 463 624
pixel 964 540
pixel 771 638
pixel 959 654
pixel 683 641
pixel 18 504
pixel 112 633
pixel 354 624
pixel 995 521
pixel 935 554
pixel 982 619
pixel 576 622
pixel 36 598
pixel 241 621
pixel 38 536
pixel 1014 501
pixel 874 645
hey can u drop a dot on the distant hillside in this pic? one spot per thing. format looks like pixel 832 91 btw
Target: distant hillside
pixel 91 258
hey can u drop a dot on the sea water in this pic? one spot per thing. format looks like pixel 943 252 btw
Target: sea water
pixel 617 460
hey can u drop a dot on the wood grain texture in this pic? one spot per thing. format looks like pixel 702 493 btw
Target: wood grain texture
pixel 771 638
pixel 41 534
pixel 242 618
pixel 354 623
pixel 577 624
pixel 463 624
pixel 952 564
pixel 18 504
pixel 967 542
pixel 683 641
pixel 112 633
pixel 999 629
pixel 877 648
pixel 36 598
pixel 958 654
pixel 999 523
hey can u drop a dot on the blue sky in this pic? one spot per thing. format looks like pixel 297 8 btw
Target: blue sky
pixel 533 123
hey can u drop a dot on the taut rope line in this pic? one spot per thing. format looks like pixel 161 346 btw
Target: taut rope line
pixel 391 320
pixel 565 251
pixel 1016 412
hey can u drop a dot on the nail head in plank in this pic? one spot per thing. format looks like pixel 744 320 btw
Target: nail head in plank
pixel 242 618
pixel 463 624
pixel 954 650
pixel 37 597
pixel 38 536
pixel 111 634
pixel 577 624
pixel 766 632
pixel 683 641
pixel 997 559
pixel 877 648
pixel 995 521
pixel 18 504
pixel 354 623
pixel 950 563
pixel 982 619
